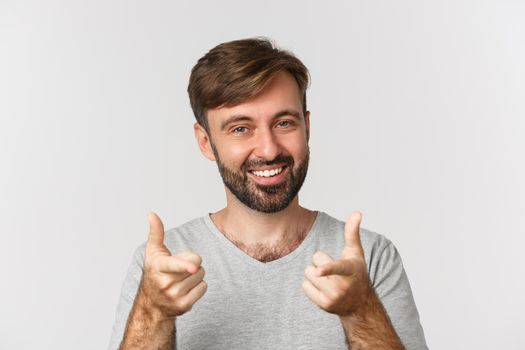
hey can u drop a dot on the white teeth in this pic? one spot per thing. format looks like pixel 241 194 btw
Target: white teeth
pixel 267 173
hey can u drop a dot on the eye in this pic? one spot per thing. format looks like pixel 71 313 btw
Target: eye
pixel 284 123
pixel 240 130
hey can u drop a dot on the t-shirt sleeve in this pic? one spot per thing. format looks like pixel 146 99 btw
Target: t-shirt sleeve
pixel 391 284
pixel 127 297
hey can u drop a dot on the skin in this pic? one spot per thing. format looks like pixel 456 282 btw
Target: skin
pixel 171 284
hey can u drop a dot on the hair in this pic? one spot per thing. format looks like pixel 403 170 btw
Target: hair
pixel 235 71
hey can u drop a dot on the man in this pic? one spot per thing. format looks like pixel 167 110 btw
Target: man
pixel 278 276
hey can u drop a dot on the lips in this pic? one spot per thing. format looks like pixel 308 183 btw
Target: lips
pixel 267 167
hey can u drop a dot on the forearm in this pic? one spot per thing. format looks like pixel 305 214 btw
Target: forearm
pixel 147 329
pixel 370 327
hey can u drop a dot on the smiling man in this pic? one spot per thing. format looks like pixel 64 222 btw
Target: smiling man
pixel 263 272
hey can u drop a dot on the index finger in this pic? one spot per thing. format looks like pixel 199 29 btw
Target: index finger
pixel 173 264
pixel 341 267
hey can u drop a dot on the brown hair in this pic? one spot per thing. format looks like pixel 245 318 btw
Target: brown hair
pixel 234 71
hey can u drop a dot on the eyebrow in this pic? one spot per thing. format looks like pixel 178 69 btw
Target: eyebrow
pixel 242 117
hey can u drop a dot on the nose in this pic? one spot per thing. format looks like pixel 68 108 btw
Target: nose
pixel 267 146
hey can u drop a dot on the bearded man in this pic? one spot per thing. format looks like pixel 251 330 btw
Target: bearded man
pixel 263 272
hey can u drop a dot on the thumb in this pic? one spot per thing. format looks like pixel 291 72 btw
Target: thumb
pixel 156 231
pixel 352 238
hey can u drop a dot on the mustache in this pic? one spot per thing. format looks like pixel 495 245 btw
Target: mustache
pixel 253 163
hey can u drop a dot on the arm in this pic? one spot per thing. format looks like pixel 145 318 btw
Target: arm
pixel 148 328
pixel 370 327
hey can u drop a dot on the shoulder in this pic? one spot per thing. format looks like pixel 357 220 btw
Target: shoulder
pixel 187 230
pixel 192 235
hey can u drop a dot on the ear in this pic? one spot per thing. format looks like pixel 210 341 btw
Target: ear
pixel 307 124
pixel 203 140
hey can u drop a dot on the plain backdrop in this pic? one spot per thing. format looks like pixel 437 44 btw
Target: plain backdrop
pixel 417 113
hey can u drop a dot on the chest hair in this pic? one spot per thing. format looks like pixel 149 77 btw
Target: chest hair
pixel 266 253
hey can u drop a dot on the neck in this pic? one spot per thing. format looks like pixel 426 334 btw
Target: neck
pixel 270 234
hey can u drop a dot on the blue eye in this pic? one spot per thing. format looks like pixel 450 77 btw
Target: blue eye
pixel 240 130
pixel 284 123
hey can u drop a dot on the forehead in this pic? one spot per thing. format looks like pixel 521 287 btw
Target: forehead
pixel 281 92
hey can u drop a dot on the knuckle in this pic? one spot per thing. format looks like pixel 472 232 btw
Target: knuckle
pixel 174 292
pixel 317 255
pixel 344 285
pixel 183 305
pixel 196 258
pixel 163 284
pixel 336 292
pixel 305 284
pixel 326 304
pixel 332 295
pixel 309 271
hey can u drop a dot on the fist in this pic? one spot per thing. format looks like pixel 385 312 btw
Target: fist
pixel 171 284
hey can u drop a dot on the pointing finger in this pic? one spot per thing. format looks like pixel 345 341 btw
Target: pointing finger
pixel 174 264
pixel 320 258
pixel 341 267
pixel 324 284
pixel 191 257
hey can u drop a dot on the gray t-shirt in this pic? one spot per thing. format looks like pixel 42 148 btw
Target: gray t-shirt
pixel 255 305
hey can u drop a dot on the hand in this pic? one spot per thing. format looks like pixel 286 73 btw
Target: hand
pixel 340 287
pixel 171 284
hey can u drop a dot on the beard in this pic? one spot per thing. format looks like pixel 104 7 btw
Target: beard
pixel 265 198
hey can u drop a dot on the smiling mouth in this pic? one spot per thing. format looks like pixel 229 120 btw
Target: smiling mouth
pixel 268 172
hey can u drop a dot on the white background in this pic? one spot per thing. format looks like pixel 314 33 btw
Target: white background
pixel 417 120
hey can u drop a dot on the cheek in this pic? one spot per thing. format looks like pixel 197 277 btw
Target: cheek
pixel 297 148
pixel 234 155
